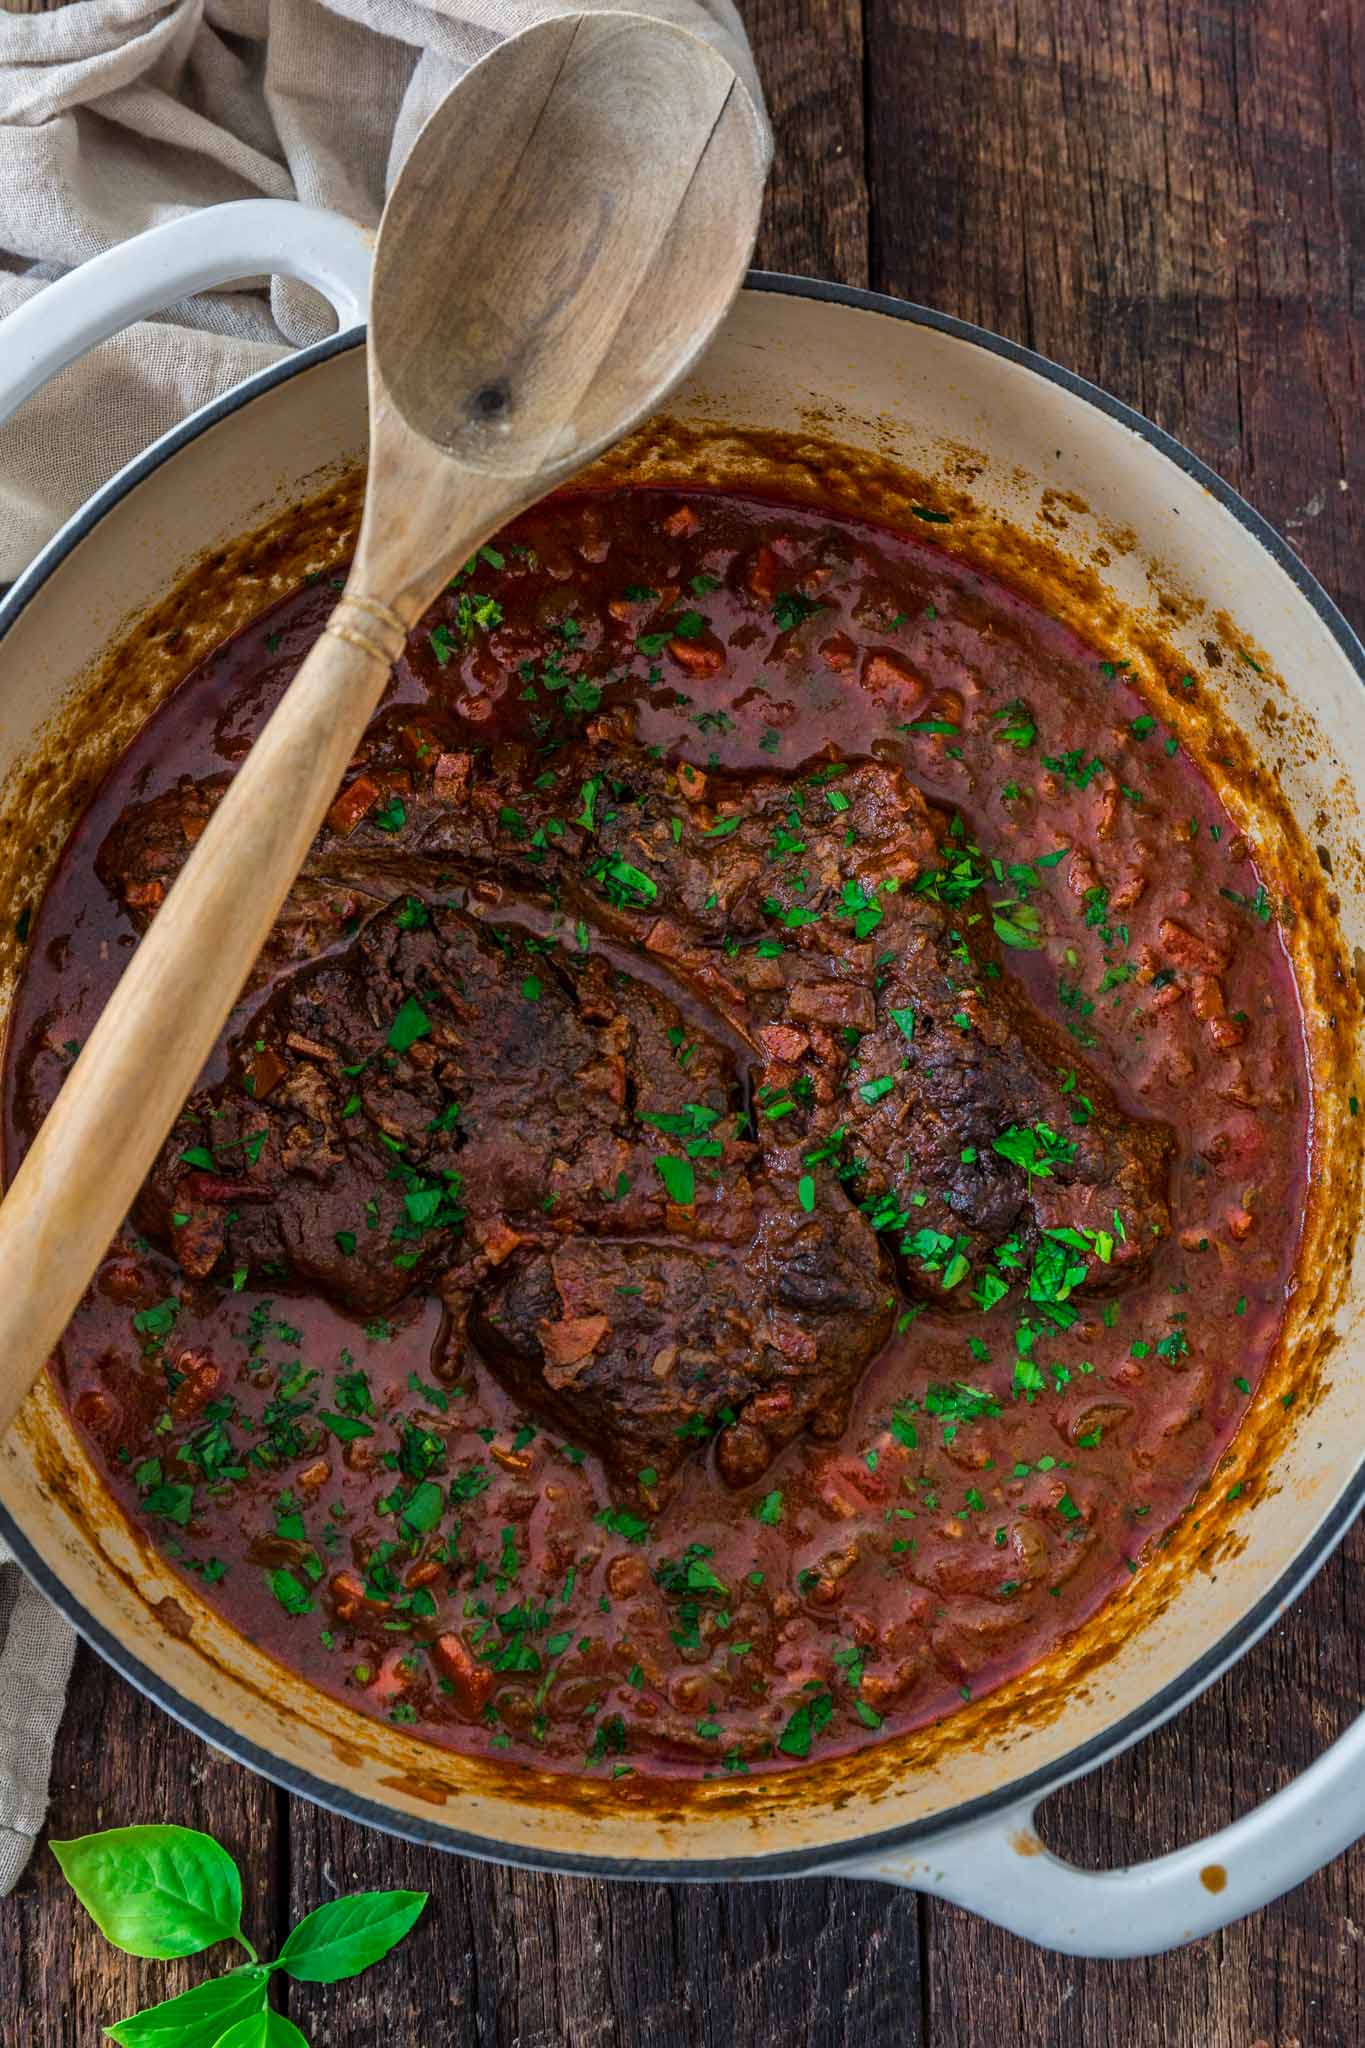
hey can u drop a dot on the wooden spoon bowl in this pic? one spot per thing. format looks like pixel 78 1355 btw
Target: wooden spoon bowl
pixel 631 185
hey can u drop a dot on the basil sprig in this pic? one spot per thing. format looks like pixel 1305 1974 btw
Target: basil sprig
pixel 164 1892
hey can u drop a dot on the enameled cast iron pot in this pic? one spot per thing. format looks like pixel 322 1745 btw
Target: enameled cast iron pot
pixel 1154 535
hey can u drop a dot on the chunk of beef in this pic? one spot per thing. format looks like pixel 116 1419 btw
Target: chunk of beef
pixel 433 1075
pixel 928 1078
pixel 854 957
pixel 972 1151
pixel 429 1075
pixel 602 834
pixel 644 1349
pixel 150 842
pixel 338 1169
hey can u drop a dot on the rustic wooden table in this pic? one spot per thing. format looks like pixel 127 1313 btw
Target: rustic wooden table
pixel 1171 199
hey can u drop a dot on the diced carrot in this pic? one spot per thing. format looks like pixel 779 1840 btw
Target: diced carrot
pixel 264 1071
pixel 883 671
pixel 696 657
pixel 391 1679
pixel 452 776
pixel 1193 949
pixel 470 1682
pixel 418 742
pixel 497 1239
pixel 311 1048
pixel 95 1410
pixel 765 574
pixel 198 1242
pixel 665 937
pixel 351 806
pixel 201 1379
pixel 781 1042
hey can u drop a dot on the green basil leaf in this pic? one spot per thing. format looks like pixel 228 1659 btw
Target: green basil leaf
pixel 264 2030
pixel 345 1936
pixel 155 1891
pixel 196 2019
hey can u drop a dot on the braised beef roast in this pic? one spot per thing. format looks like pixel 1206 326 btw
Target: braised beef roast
pixel 655 1074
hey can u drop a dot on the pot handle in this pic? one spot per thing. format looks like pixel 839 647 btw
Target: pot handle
pixel 217 245
pixel 999 1868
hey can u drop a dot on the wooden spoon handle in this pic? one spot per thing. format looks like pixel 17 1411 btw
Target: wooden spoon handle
pixel 78 1178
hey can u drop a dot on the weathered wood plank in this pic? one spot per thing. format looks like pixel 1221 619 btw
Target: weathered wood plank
pixel 120 1760
pixel 1165 199
pixel 810 54
pixel 507 1957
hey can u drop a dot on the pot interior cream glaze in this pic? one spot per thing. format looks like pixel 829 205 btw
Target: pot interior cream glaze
pixel 850 403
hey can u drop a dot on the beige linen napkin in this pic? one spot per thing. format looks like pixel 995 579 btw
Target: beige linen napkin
pixel 36 1649
pixel 118 114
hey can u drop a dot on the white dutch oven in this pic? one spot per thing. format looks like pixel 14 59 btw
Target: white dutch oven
pixel 950 1812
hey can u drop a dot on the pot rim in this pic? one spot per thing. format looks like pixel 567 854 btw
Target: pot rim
pixel 1022 1792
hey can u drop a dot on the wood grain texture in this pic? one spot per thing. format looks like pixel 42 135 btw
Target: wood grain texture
pixel 812 58
pixel 119 1760
pixel 1168 197
pixel 508 1959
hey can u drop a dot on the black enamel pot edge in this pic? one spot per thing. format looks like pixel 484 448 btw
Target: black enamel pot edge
pixel 1019 1794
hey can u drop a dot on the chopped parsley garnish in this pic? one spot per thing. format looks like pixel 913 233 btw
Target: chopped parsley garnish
pixel 790 607
pixel 678 1176
pixel 293 1596
pixel 806 1722
pixel 626 886
pixel 410 1024
pixel 620 1522
pixel 1034 1147
pixel 1074 768
pixel 1259 905
pixel 1016 724
pixel 1017 924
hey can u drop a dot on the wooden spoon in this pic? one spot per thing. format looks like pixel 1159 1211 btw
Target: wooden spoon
pixel 570 228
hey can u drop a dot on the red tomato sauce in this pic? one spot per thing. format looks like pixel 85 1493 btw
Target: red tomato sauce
pixel 394 1502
